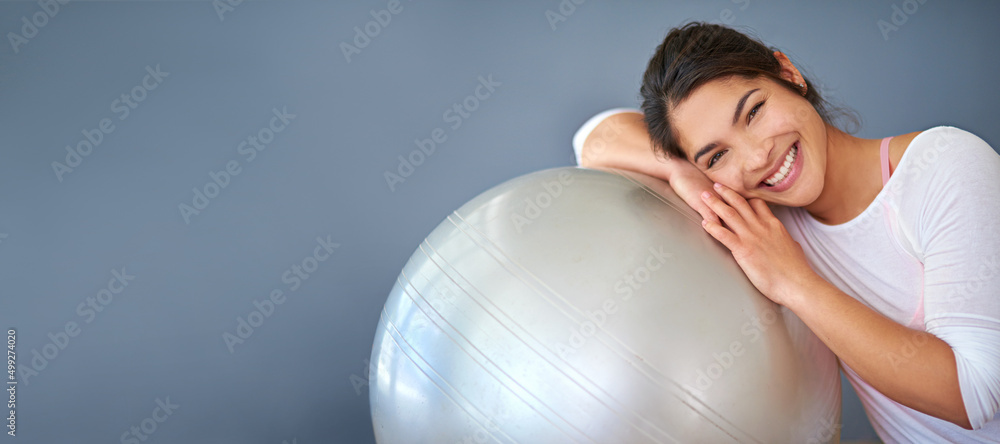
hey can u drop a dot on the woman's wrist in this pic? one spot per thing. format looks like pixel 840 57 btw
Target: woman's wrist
pixel 671 164
pixel 800 289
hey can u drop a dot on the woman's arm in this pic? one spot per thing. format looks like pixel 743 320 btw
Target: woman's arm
pixel 621 141
pixel 911 367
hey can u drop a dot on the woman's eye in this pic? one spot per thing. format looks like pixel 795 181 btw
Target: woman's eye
pixel 715 158
pixel 753 111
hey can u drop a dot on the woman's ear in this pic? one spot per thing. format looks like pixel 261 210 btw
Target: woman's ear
pixel 789 72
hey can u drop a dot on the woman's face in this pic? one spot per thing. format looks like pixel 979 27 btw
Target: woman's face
pixel 756 137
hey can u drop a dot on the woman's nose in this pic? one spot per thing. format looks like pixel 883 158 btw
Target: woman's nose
pixel 758 155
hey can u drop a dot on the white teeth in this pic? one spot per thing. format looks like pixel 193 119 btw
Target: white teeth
pixel 785 167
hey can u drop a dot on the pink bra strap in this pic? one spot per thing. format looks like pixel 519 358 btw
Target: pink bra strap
pixel 885 160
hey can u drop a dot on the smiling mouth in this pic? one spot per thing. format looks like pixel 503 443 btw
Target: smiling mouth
pixel 785 168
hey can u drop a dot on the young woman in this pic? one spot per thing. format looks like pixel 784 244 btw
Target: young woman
pixel 889 250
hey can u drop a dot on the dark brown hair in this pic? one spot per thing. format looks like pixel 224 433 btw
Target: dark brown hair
pixel 696 53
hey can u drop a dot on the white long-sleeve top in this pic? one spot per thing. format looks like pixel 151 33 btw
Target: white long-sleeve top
pixel 926 254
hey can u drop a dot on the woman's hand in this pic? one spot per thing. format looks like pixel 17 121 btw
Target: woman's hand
pixel 774 262
pixel 689 183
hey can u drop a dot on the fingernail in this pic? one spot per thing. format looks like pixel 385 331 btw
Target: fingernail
pixel 704 222
pixel 705 194
pixel 718 185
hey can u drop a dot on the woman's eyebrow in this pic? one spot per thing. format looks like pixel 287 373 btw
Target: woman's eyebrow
pixel 739 106
pixel 704 150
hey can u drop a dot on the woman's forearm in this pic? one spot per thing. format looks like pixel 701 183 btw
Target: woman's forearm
pixel 621 141
pixel 913 368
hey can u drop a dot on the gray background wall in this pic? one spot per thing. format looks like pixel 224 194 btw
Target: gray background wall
pixel 161 338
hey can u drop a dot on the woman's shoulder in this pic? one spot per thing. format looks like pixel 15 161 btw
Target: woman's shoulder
pixel 948 177
pixel 946 149
pixel 941 168
pixel 941 139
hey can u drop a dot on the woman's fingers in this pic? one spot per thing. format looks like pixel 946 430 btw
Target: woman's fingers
pixel 736 201
pixel 760 207
pixel 721 233
pixel 732 218
pixel 706 213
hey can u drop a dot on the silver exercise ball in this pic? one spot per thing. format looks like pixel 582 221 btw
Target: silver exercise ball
pixel 579 305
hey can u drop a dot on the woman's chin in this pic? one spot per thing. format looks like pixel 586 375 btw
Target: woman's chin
pixel 803 198
pixel 796 197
